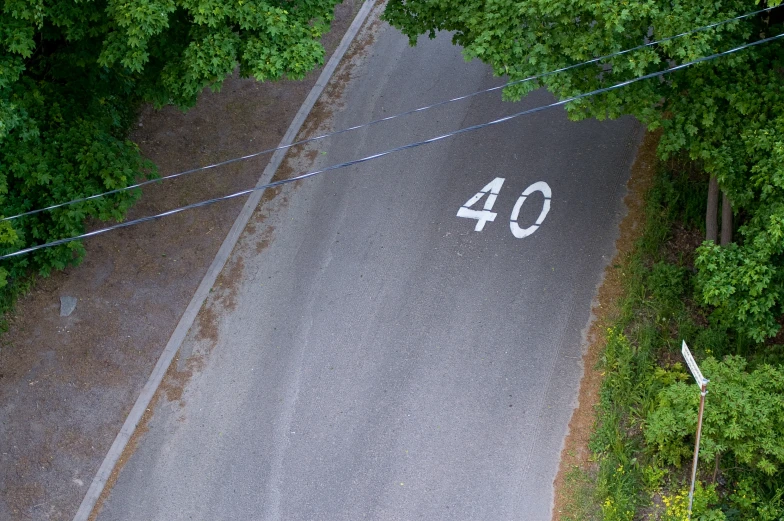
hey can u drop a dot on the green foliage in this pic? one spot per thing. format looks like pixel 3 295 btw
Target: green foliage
pixel 745 282
pixel 666 283
pixel 705 498
pixel 746 286
pixel 72 75
pixel 744 416
pixel 632 378
pixel 628 373
pixel 749 500
pixel 726 114
pixel 579 503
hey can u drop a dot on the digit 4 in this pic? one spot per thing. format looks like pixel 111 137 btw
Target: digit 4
pixel 482 216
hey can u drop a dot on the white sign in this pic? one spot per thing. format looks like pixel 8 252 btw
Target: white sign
pixel 695 371
pixel 486 214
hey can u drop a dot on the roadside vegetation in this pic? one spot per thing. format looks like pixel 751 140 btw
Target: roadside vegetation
pixel 72 78
pixel 647 411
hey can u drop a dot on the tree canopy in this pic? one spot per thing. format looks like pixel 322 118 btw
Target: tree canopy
pixel 72 76
pixel 727 114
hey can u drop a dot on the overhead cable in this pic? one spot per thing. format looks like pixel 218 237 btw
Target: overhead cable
pixel 387 118
pixel 393 150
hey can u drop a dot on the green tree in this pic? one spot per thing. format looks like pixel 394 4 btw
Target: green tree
pixel 725 113
pixel 73 73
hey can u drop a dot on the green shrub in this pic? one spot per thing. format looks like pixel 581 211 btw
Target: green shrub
pixel 744 416
pixel 753 500
pixel 705 499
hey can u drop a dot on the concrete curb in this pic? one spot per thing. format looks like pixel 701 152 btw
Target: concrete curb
pixel 186 321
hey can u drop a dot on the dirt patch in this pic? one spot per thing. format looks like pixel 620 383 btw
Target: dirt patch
pixel 576 454
pixel 68 382
pixel 207 322
pixel 263 242
pixel 682 246
pixel 172 388
pixel 223 298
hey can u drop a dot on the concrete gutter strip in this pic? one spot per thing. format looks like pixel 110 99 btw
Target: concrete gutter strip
pixel 172 347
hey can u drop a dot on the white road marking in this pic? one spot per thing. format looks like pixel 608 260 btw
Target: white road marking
pixel 484 215
pixel 539 186
pixel 491 190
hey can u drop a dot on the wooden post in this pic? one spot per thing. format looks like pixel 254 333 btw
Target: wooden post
pixel 702 382
pixel 703 392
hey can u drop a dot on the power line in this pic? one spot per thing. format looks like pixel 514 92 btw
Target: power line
pixel 392 150
pixel 387 118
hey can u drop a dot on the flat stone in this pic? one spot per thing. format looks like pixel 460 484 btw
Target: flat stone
pixel 67 306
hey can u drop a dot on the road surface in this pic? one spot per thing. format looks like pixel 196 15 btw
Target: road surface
pixel 380 357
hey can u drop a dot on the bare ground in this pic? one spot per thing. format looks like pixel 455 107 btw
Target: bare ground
pixel 67 383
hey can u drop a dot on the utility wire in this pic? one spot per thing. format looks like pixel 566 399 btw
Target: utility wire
pixel 388 118
pixel 393 150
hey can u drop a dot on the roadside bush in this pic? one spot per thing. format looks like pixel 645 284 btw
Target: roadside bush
pixel 705 499
pixel 744 416
pixel 745 284
pixel 644 438
pixel 756 499
pixel 628 373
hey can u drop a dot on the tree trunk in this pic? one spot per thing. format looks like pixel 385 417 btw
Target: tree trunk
pixel 716 467
pixel 711 224
pixel 726 220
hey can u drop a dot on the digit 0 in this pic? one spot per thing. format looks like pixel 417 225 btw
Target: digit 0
pixel 539 186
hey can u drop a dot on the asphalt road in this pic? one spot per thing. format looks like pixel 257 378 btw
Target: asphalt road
pixel 381 359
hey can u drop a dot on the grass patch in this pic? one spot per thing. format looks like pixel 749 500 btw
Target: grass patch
pixel 580 498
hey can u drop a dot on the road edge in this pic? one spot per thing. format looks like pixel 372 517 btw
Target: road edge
pixel 575 452
pixel 189 316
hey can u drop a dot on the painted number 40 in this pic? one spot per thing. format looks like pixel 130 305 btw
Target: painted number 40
pixel 486 214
